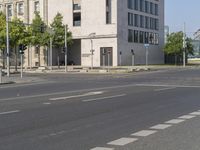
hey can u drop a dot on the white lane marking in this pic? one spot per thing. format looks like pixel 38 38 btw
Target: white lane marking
pixel 69 92
pixel 123 141
pixel 161 126
pixel 94 89
pixel 24 84
pixel 102 98
pixel 186 117
pixel 165 85
pixel 164 89
pixel 76 96
pixel 47 103
pixel 144 133
pixel 175 121
pixel 196 113
pixel 102 148
pixel 9 112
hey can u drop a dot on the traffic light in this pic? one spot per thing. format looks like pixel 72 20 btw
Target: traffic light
pixel 42 27
pixel 64 49
pixel 22 48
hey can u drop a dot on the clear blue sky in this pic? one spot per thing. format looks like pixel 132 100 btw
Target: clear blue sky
pixel 179 11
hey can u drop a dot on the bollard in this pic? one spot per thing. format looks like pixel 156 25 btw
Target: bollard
pixel 0 75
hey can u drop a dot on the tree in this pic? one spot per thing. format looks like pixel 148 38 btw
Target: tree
pixel 17 35
pixel 2 35
pixel 59 33
pixel 174 45
pixel 39 35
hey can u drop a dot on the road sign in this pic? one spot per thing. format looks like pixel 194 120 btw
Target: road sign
pixel 146 45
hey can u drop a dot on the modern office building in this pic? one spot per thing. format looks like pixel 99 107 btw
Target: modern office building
pixel 105 32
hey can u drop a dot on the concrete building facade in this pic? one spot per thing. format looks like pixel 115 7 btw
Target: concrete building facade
pixel 105 32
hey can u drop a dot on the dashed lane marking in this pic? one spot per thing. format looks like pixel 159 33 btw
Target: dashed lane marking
pixel 102 148
pixel 196 113
pixel 76 96
pixel 161 126
pixel 164 89
pixel 144 133
pixel 102 98
pixel 9 112
pixel 123 141
pixel 186 117
pixel 175 121
pixel 47 103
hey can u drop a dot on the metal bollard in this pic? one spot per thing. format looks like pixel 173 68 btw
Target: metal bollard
pixel 0 75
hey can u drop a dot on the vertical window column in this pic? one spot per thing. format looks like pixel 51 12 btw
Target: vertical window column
pixel 108 12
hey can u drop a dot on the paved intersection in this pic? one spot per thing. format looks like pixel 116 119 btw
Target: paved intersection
pixel 102 112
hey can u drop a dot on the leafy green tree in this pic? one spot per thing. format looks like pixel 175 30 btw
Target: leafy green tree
pixel 17 35
pixel 174 45
pixel 2 35
pixel 38 33
pixel 59 33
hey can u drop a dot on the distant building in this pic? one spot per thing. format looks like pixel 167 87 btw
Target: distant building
pixel 196 48
pixel 112 28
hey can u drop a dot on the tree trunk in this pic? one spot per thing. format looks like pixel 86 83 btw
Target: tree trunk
pixel 39 57
pixel 3 58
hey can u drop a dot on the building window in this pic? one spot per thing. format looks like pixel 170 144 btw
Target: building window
pixel 130 4
pixel 130 19
pixel 146 38
pixel 130 35
pixel 1 8
pixel 142 5
pixel 156 38
pixel 141 37
pixel 147 22
pixel 146 7
pixel 156 9
pixel 156 24
pixel 20 9
pixel 37 6
pixel 9 11
pixel 108 12
pixel 136 4
pixel 141 21
pixel 136 37
pixel 136 20
pixel 151 8
pixel 151 38
pixel 77 19
pixel 76 7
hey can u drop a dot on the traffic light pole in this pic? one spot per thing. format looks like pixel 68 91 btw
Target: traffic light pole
pixel 65 48
pixel 21 55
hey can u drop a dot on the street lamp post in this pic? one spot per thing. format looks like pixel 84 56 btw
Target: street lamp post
pixel 65 48
pixel 51 32
pixel 184 47
pixel 92 35
pixel 7 43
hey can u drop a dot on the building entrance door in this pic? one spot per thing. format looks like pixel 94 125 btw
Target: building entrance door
pixel 106 56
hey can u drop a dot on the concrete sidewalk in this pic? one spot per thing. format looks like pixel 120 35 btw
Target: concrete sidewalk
pixel 15 78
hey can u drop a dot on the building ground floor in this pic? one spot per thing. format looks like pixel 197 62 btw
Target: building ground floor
pixel 95 52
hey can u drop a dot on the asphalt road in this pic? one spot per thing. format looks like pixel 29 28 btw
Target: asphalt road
pixel 101 112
